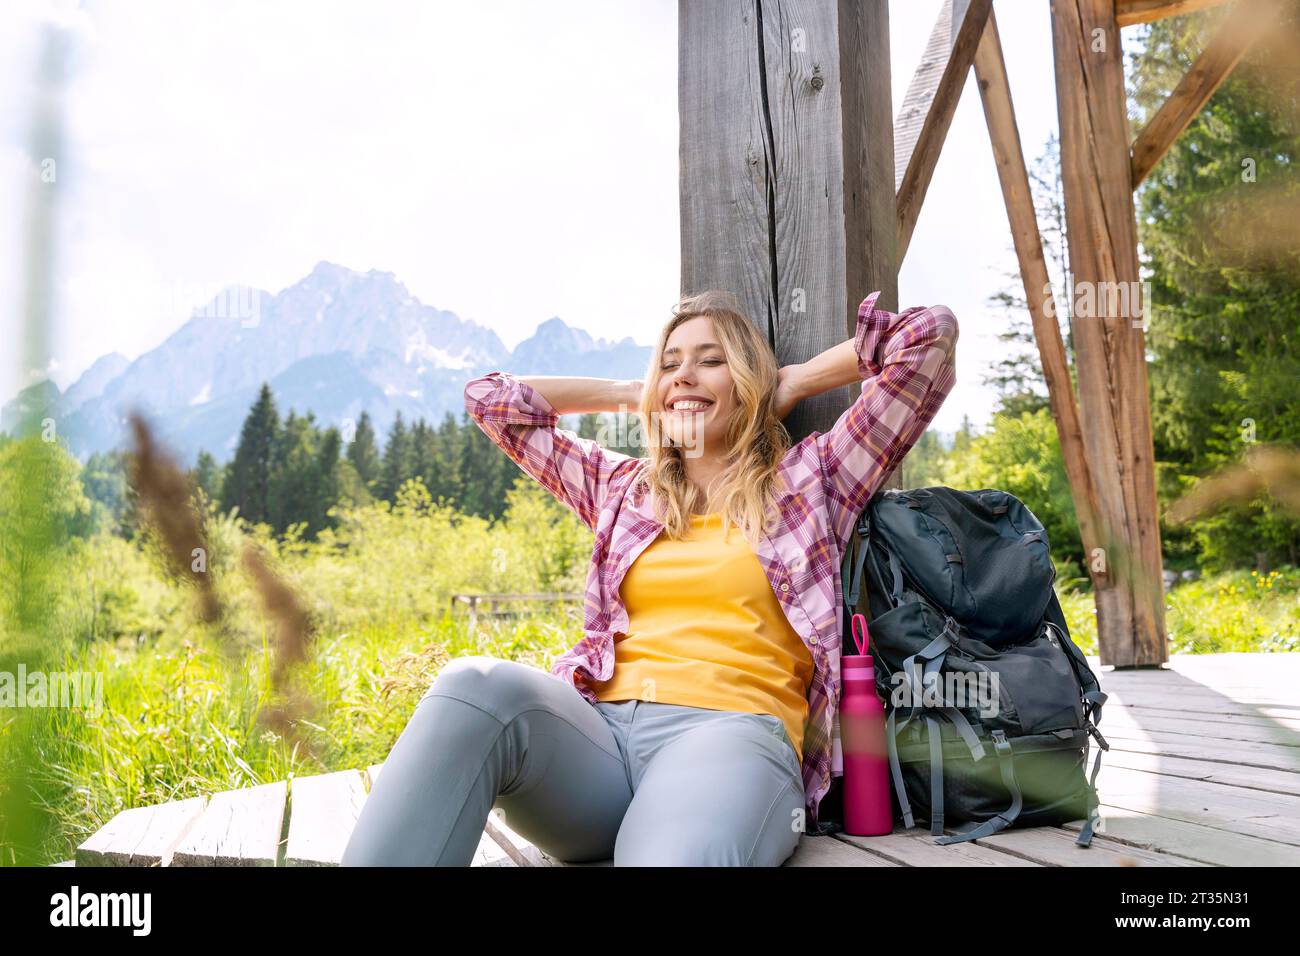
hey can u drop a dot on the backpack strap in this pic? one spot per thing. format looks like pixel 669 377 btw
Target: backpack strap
pixel 933 654
pixel 936 776
pixel 949 710
pixel 897 771
pixel 1092 702
pixel 1094 805
pixel 1007 816
pixel 895 575
pixel 854 558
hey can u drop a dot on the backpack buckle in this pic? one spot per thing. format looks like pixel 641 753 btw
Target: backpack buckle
pixel 1101 741
pixel 1001 743
pixel 951 629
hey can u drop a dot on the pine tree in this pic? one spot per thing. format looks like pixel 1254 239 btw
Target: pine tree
pixel 329 481
pixel 1225 276
pixel 961 441
pixel 104 480
pixel 363 452
pixel 295 476
pixel 448 448
pixel 486 474
pixel 248 484
pixel 422 452
pixel 397 460
pixel 207 476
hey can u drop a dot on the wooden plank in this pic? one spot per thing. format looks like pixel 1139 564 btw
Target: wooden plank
pixel 1055 846
pixel 1194 726
pixel 1244 24
pixel 323 810
pixel 237 828
pixel 1223 674
pixel 518 849
pixel 932 99
pixel 489 854
pixel 1192 697
pixel 1233 688
pixel 1008 156
pixel 811 851
pixel 829 851
pixel 1244 753
pixel 1238 690
pixel 1191 841
pixel 141 836
pixel 1130 12
pixel 916 847
pixel 1140 712
pixel 113 843
pixel 1207 699
pixel 1108 334
pixel 786 182
pixel 1254 668
pixel 1269 816
pixel 1233 775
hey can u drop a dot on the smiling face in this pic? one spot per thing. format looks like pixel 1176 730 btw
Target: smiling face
pixel 694 366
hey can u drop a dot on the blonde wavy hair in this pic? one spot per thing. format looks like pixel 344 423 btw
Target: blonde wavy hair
pixel 756 439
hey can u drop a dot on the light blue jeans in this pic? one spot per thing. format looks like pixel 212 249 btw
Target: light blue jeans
pixel 645 783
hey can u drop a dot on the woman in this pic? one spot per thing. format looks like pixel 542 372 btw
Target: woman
pixel 694 723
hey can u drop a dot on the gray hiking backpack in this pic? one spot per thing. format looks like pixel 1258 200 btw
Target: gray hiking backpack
pixel 989 702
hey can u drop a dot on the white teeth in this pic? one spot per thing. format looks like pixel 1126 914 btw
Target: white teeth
pixel 689 406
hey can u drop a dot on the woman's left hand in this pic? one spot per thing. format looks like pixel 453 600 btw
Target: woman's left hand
pixel 787 391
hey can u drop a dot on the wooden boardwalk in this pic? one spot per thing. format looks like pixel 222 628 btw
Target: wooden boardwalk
pixel 1203 770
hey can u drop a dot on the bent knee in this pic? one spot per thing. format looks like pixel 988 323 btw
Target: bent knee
pixel 499 686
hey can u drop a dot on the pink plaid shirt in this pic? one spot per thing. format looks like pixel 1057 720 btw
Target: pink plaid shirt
pixel 906 362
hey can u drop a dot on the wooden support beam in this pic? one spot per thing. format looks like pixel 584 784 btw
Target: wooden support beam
pixel 1245 23
pixel 1130 12
pixel 1108 324
pixel 787 179
pixel 922 87
pixel 999 114
pixel 927 110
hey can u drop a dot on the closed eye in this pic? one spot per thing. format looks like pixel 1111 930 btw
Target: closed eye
pixel 705 362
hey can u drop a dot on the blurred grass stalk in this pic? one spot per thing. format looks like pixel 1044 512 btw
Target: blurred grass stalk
pixel 30 537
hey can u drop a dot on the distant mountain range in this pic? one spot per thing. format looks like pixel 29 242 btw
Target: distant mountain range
pixel 336 343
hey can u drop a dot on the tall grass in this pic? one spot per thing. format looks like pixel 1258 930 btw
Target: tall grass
pixel 179 721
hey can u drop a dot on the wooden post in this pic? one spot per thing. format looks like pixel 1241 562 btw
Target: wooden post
pixel 999 114
pixel 787 178
pixel 1108 325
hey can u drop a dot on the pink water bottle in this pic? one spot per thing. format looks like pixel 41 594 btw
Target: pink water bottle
pixel 867 808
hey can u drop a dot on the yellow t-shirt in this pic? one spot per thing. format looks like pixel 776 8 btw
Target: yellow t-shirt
pixel 705 629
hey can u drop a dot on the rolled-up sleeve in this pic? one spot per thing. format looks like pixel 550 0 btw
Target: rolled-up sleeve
pixel 519 420
pixel 907 363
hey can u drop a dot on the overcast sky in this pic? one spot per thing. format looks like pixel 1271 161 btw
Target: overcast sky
pixel 508 161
